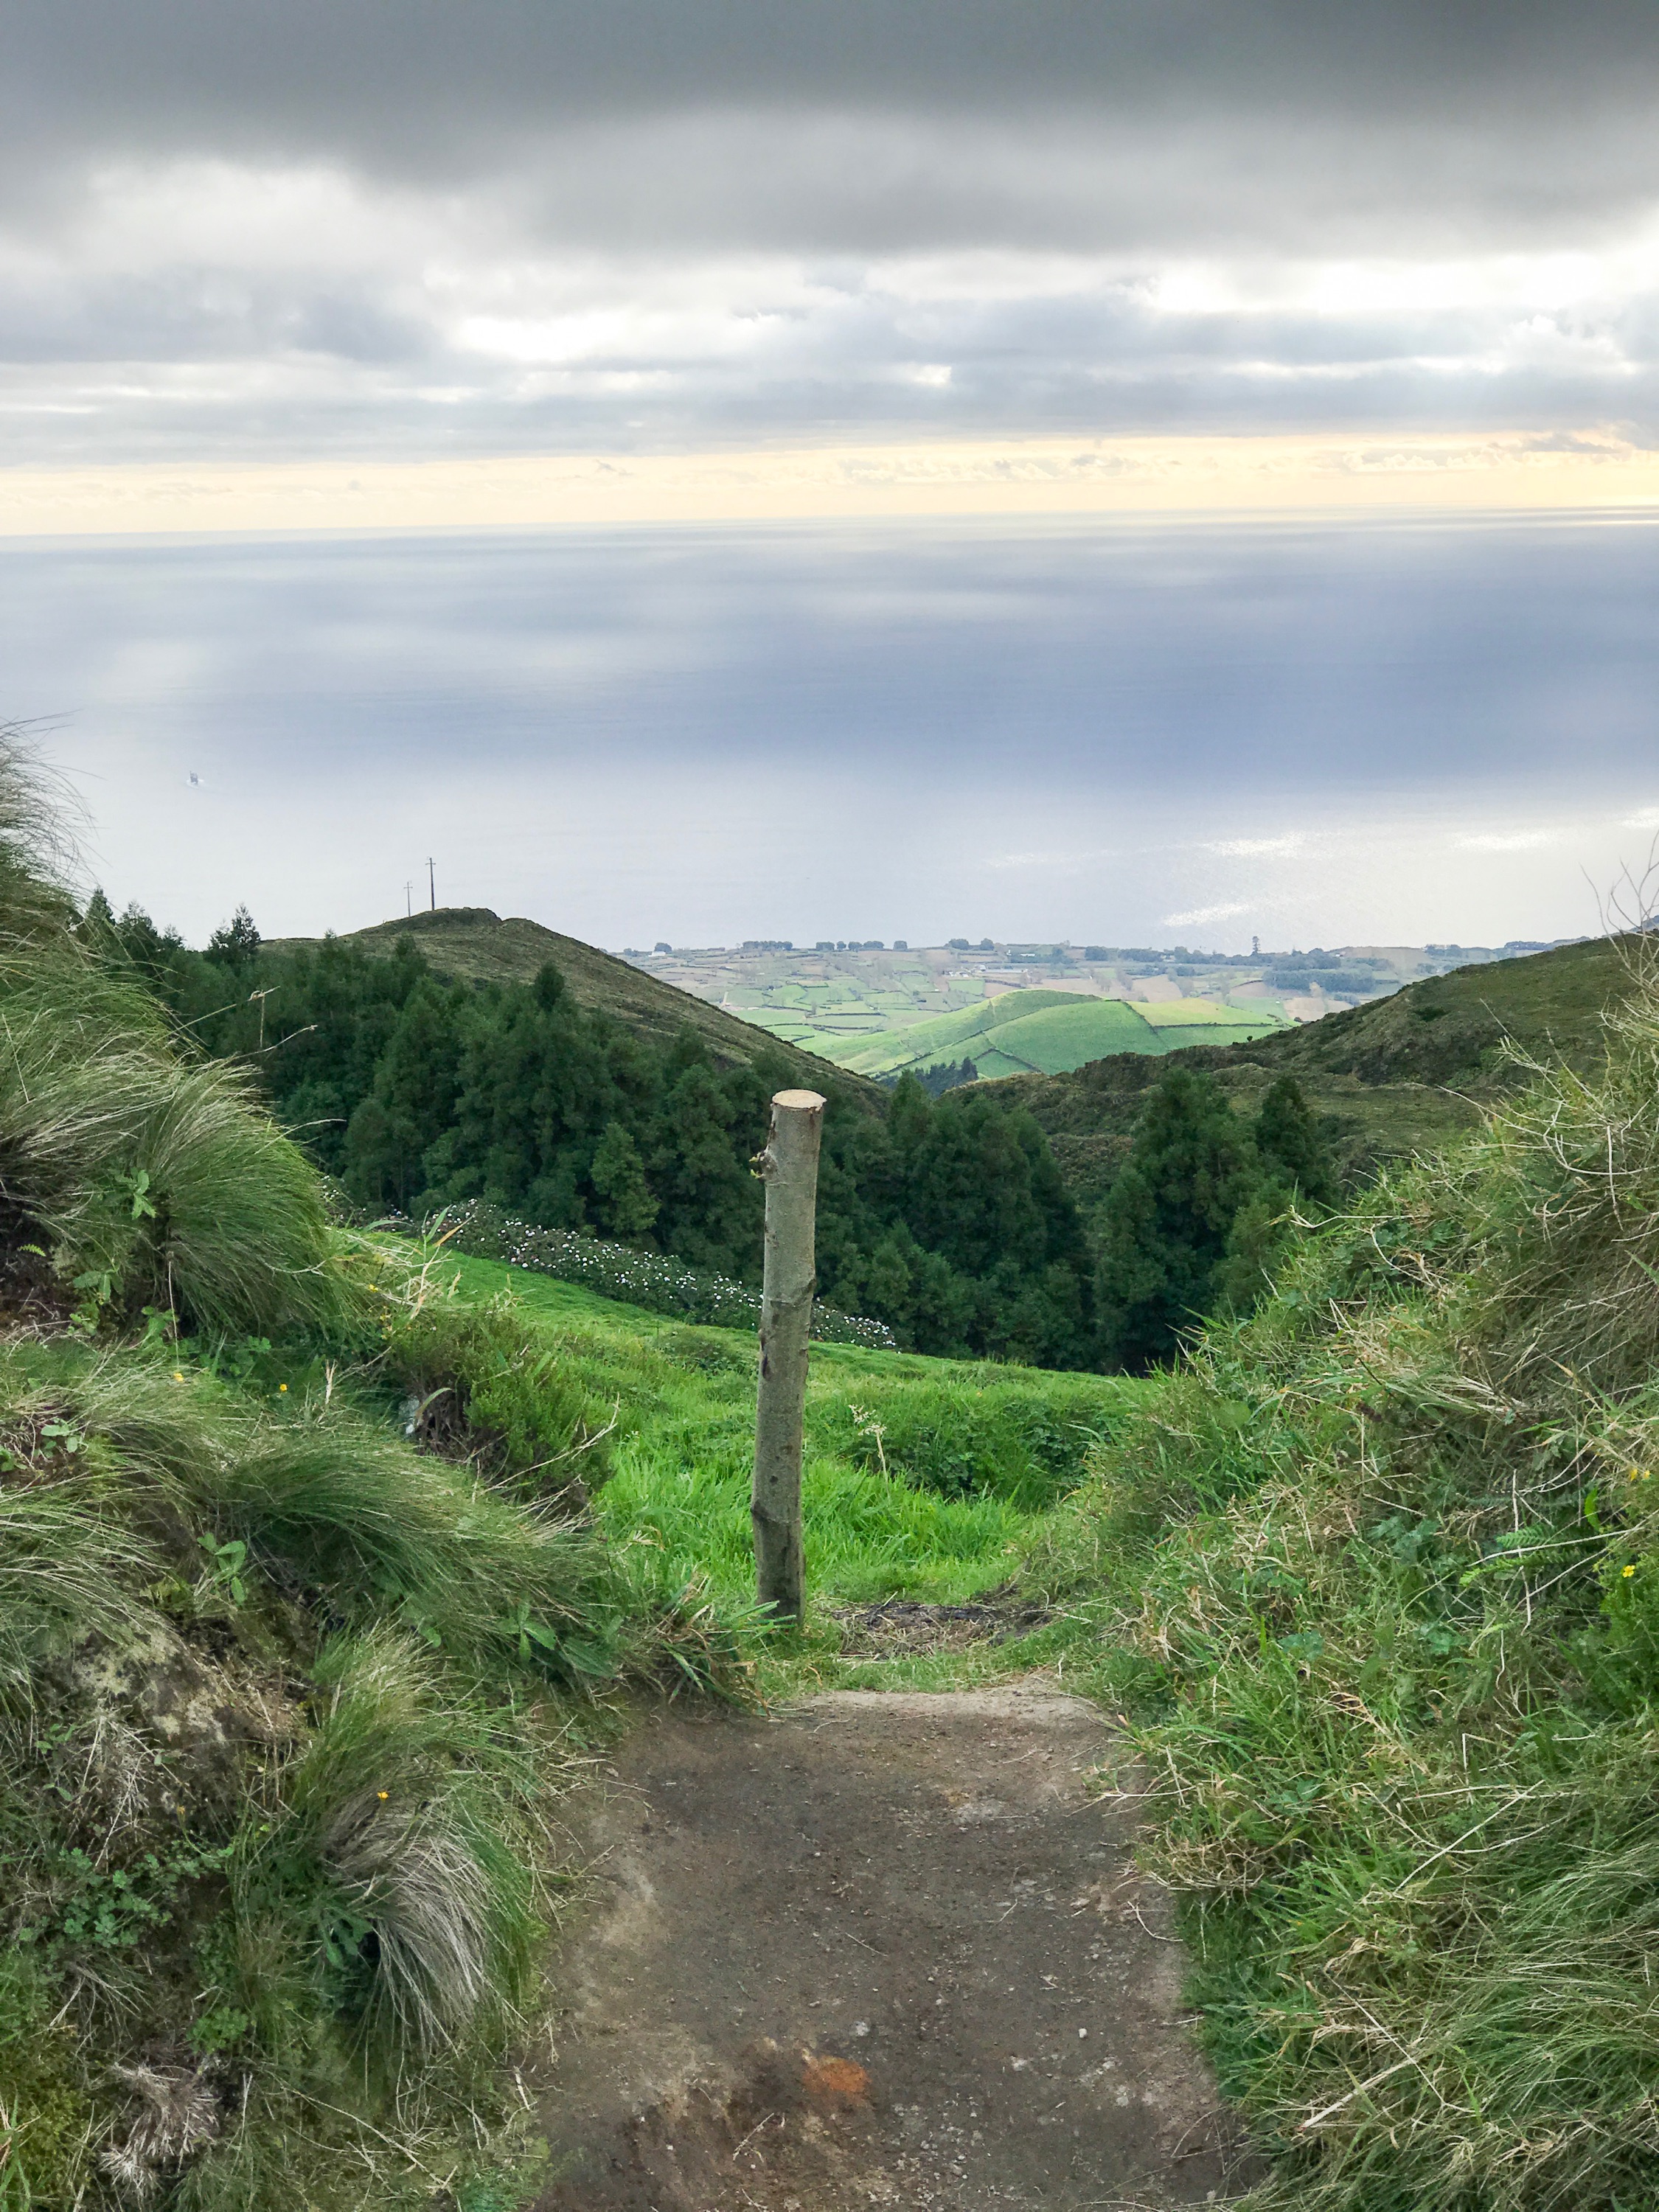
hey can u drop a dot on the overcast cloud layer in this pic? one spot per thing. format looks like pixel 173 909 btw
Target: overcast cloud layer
pixel 251 231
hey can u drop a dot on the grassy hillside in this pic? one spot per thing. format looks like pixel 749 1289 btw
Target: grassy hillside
pixel 479 947
pixel 1024 1032
pixel 325 1563
pixel 1391 1078
pixel 924 1477
pixel 288 1680
pixel 1376 1577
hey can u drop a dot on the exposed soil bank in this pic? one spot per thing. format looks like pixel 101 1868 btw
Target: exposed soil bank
pixel 876 1950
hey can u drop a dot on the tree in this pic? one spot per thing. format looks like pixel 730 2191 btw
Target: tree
pixel 413 1104
pixel 627 1208
pixel 97 925
pixel 1167 1218
pixel 1262 1227
pixel 235 943
pixel 1293 1171
pixel 1291 1144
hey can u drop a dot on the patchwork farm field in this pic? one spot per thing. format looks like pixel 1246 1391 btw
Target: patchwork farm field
pixel 1048 1032
pixel 1027 1009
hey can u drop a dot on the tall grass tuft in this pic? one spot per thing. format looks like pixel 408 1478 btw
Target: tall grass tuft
pixel 68 1568
pixel 153 1176
pixel 332 1504
pixel 393 1819
pixel 155 1179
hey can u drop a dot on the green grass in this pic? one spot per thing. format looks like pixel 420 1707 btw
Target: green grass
pixel 1376 1577
pixel 1020 1032
pixel 1176 1036
pixel 1204 1013
pixel 1065 1037
pixel 941 1035
pixel 974 1454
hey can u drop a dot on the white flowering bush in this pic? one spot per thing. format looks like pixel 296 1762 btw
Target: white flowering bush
pixel 656 1281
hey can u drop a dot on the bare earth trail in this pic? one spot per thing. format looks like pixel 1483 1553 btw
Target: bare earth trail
pixel 874 1950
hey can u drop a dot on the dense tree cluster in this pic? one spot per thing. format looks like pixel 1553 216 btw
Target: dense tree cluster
pixel 945 1075
pixel 1200 1209
pixel 947 1219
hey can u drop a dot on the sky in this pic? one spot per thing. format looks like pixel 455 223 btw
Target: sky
pixel 894 466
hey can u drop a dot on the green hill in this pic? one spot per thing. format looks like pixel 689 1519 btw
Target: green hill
pixel 479 947
pixel 1046 1032
pixel 1399 1075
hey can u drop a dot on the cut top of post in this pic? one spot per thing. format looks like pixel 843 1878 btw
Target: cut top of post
pixel 796 1101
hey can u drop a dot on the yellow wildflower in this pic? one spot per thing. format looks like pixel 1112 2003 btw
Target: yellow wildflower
pixel 281 1390
pixel 1629 1572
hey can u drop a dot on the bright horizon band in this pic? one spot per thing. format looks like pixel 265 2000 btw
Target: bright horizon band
pixel 1593 469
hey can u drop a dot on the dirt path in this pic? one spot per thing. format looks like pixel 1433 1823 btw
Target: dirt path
pixel 879 1950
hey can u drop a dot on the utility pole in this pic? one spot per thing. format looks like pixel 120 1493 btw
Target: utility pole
pixel 432 883
pixel 408 898
pixel 789 1168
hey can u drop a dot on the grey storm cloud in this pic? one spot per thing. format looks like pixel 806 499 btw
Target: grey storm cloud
pixel 982 118
pixel 258 230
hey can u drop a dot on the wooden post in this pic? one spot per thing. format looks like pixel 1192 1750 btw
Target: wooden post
pixel 789 1168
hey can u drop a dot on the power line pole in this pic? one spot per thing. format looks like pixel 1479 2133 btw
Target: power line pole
pixel 408 898
pixel 432 883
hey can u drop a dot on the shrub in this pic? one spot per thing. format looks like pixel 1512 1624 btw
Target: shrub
pixel 660 1285
pixel 1027 1445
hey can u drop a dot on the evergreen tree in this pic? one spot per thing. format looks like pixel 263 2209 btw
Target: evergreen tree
pixel 97 925
pixel 412 1103
pixel 706 1133
pixel 1289 1143
pixel 627 1209
pixel 1294 1173
pixel 235 943
pixel 1167 1220
pixel 1262 1227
